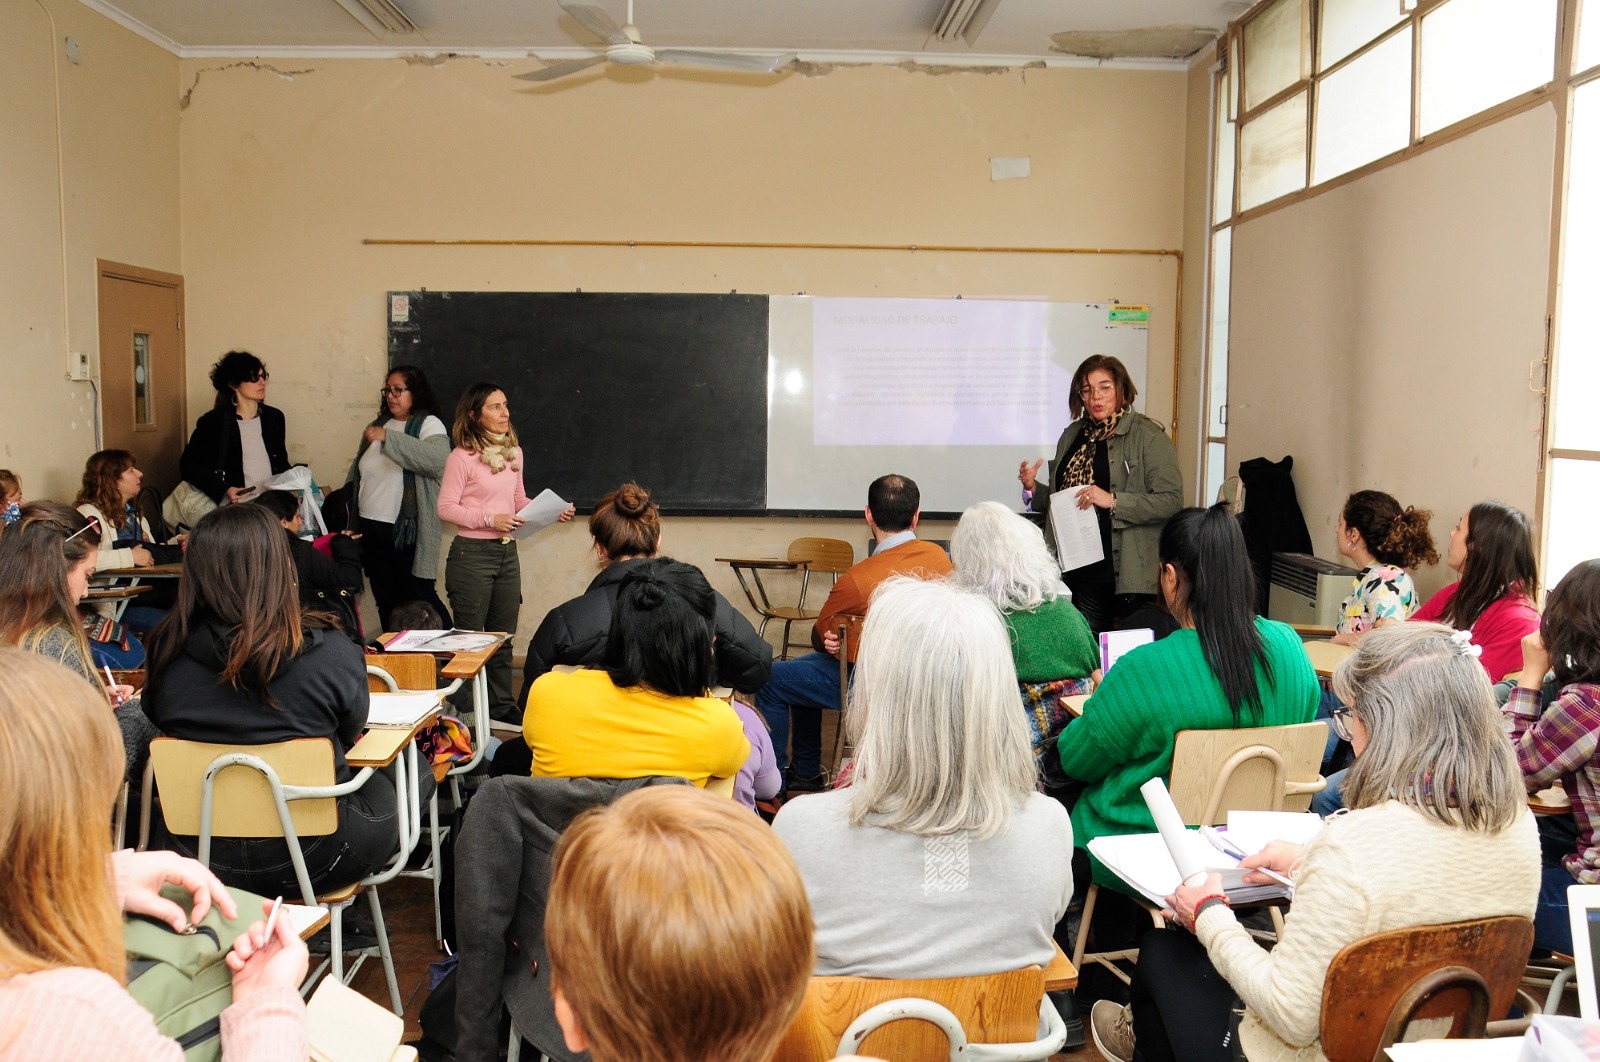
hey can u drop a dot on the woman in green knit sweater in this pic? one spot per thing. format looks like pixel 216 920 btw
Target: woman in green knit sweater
pixel 1225 668
pixel 1002 556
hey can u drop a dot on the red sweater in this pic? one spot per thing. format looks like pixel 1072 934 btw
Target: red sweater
pixel 1499 630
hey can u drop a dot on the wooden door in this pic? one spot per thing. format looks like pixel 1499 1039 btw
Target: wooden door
pixel 142 383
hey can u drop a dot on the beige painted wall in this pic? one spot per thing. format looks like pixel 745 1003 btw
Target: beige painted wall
pixel 288 166
pixel 119 148
pixel 1381 332
pixel 1196 245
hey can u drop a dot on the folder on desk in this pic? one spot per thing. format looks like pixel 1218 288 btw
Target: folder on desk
pixel 401 711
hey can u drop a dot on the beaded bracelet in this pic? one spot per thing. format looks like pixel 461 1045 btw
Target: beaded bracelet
pixel 1209 901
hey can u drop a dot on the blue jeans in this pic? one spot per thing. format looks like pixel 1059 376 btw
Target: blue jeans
pixel 1552 929
pixel 803 686
pixel 114 656
pixel 1330 799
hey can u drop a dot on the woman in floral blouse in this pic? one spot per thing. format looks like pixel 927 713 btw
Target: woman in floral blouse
pixel 1385 540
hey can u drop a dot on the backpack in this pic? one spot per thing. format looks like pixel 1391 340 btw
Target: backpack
pixel 181 978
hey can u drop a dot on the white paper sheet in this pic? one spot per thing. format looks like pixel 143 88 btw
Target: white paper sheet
pixel 1144 862
pixel 1113 644
pixel 400 709
pixel 301 917
pixel 1254 830
pixel 540 513
pixel 1186 855
pixel 451 641
pixel 1076 531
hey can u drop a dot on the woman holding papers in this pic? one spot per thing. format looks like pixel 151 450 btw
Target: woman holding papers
pixel 481 494
pixel 237 663
pixel 1003 557
pixel 1438 831
pixel 396 476
pixel 939 859
pixel 238 444
pixel 1123 466
pixel 1225 668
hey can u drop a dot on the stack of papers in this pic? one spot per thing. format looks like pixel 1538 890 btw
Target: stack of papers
pixel 401 710
pixel 451 641
pixel 1114 644
pixel 1144 862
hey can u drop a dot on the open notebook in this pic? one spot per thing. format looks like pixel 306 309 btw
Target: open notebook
pixel 1144 861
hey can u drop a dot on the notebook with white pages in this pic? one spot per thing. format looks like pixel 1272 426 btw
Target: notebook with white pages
pixel 401 710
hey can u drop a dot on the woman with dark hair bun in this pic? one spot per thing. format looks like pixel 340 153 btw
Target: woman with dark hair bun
pixel 1491 549
pixel 1559 741
pixel 239 443
pixel 1223 668
pixel 649 711
pixel 396 474
pixel 1384 540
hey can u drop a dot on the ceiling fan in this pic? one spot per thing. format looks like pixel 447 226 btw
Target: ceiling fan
pixel 625 47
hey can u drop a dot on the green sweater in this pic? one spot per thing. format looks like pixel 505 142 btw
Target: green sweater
pixel 1051 642
pixel 1125 736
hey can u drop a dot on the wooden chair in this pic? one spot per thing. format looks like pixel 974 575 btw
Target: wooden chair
pixel 1451 977
pixel 285 789
pixel 1268 768
pixel 849 631
pixel 1003 1016
pixel 831 556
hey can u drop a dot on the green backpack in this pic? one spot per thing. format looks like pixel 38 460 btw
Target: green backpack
pixel 181 978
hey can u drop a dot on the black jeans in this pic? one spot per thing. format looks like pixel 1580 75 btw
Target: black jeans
pixel 388 569
pixel 1182 1007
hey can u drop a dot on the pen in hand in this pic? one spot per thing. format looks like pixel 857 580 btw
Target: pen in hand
pixel 111 686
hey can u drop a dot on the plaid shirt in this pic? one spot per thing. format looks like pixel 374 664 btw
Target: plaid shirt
pixel 1561 744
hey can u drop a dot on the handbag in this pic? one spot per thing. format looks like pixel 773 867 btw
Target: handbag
pixel 185 506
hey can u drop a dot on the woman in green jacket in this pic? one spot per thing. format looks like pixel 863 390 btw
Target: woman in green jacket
pixel 1124 465
pixel 1224 668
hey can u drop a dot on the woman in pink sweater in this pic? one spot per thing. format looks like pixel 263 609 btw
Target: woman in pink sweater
pixel 481 494
pixel 61 900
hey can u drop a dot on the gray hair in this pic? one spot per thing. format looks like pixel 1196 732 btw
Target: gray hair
pixel 1002 556
pixel 1435 740
pixel 935 715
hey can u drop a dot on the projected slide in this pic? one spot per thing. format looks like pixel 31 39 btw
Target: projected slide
pixel 952 392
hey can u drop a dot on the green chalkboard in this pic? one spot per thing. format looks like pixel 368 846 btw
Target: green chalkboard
pixel 667 390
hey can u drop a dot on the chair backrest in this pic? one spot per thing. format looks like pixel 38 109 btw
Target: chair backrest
pixel 410 671
pixel 848 626
pixel 1267 768
pixel 242 804
pixel 1454 976
pixel 833 555
pixel 1000 1008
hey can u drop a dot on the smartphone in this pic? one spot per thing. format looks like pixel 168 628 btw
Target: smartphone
pixel 247 490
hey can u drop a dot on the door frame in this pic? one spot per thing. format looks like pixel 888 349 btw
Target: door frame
pixel 106 269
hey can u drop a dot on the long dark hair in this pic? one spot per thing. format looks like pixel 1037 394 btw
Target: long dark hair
pixel 661 630
pixel 1217 588
pixel 1394 535
pixel 36 552
pixel 1499 562
pixel 237 571
pixel 1570 625
pixel 423 403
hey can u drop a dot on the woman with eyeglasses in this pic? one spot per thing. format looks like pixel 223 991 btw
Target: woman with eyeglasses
pixel 1123 465
pixel 396 474
pixel 239 444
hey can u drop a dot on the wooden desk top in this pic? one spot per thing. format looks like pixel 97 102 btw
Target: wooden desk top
pixel 380 745
pixel 1551 801
pixel 1075 703
pixel 1060 974
pixel 1312 630
pixel 159 571
pixel 776 563
pixel 115 593
pixel 462 665
pixel 1325 656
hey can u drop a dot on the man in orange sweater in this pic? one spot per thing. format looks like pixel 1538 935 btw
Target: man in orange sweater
pixel 811 682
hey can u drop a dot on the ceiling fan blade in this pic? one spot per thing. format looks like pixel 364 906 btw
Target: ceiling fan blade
pixel 562 69
pixel 599 23
pixel 758 64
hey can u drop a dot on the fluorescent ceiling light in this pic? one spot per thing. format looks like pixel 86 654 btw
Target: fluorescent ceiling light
pixel 380 17
pixel 963 18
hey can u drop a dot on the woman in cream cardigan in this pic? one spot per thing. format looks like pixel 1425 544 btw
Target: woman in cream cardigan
pixel 1438 830
pixel 111 482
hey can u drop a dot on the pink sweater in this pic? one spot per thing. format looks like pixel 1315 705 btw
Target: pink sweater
pixel 470 495
pixel 1499 630
pixel 74 1013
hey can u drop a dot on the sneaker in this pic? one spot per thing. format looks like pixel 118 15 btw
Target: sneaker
pixel 815 783
pixel 1111 1025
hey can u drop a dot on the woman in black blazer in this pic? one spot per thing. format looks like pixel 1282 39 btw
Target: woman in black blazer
pixel 239 444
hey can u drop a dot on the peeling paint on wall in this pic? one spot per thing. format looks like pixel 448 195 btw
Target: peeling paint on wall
pixel 287 75
pixel 1151 42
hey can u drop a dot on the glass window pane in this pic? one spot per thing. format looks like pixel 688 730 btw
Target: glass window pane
pixel 1216 471
pixel 1364 109
pixel 143 414
pixel 1348 24
pixel 1588 37
pixel 1221 285
pixel 1577 380
pixel 1222 185
pixel 1574 510
pixel 1476 53
pixel 1273 153
pixel 1272 49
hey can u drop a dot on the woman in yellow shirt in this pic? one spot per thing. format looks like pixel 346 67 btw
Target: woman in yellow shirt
pixel 649 711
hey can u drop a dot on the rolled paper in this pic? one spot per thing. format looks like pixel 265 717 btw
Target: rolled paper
pixel 1181 844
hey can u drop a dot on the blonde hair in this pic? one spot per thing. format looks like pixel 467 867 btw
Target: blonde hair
pixel 1002 556
pixel 61 763
pixel 678 927
pixel 941 742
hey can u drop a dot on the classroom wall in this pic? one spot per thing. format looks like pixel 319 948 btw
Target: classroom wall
pixel 1196 246
pixel 288 165
pixel 119 180
pixel 1382 332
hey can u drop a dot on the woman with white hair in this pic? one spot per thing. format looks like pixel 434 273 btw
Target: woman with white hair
pixel 940 859
pixel 1002 556
pixel 1437 830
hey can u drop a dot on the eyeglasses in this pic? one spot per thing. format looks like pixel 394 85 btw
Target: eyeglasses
pixel 1104 389
pixel 392 392
pixel 259 376
pixel 1340 718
